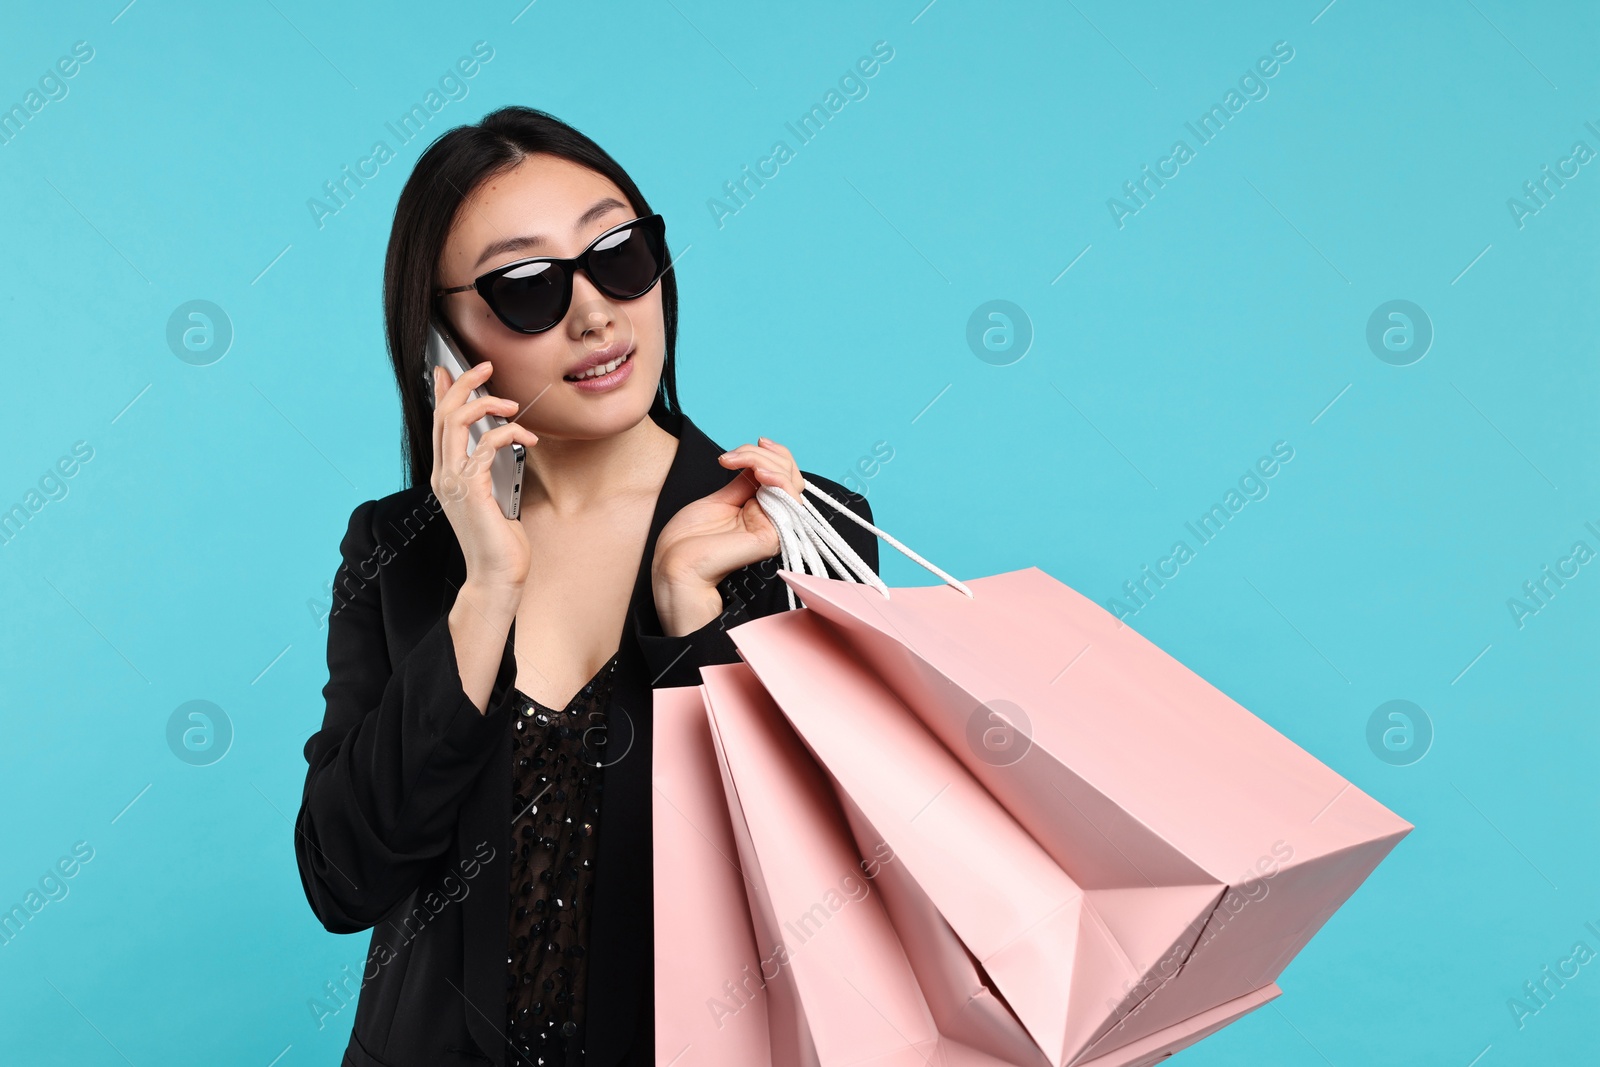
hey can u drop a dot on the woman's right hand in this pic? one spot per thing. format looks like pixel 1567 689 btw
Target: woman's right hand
pixel 495 547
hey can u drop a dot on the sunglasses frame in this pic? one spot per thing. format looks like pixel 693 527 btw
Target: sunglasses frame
pixel 483 282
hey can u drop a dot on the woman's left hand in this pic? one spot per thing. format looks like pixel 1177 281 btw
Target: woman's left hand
pixel 718 534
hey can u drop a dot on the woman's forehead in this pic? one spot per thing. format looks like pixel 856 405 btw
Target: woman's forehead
pixel 544 206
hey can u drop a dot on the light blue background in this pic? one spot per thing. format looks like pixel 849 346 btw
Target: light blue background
pixel 190 554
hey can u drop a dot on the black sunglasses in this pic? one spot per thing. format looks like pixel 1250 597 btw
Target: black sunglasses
pixel 532 295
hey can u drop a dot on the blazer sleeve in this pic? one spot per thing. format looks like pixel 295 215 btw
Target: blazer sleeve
pixel 400 747
pixel 746 594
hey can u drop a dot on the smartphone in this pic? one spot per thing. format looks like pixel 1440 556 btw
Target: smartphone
pixel 505 471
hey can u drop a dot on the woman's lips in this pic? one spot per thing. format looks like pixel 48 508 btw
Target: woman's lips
pixel 604 382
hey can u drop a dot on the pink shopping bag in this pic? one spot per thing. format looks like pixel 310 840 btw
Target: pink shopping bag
pixel 708 969
pixel 1129 856
pixel 808 888
pixel 1098 858
pixel 758 881
pixel 787 932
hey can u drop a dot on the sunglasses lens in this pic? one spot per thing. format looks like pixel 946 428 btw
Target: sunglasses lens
pixel 627 263
pixel 533 296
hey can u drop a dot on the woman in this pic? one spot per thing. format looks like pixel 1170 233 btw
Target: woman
pixel 479 792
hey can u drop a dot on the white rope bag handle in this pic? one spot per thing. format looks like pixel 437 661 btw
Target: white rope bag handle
pixel 809 544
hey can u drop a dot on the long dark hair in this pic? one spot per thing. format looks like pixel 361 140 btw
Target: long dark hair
pixel 445 175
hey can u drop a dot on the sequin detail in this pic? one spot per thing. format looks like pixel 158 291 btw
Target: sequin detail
pixel 556 779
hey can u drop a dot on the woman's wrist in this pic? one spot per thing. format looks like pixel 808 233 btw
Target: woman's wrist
pixel 496 602
pixel 479 622
pixel 685 605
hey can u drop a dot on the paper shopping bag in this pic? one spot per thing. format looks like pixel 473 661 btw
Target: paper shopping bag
pixel 726 955
pixel 1011 905
pixel 749 760
pixel 809 890
pixel 1195 849
pixel 705 947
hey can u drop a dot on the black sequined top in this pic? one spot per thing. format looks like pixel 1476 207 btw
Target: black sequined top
pixel 557 772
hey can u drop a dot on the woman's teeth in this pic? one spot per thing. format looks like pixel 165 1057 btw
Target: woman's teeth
pixel 604 368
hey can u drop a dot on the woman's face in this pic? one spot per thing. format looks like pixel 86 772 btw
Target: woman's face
pixel 561 207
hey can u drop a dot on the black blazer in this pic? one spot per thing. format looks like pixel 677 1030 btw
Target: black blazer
pixel 405 822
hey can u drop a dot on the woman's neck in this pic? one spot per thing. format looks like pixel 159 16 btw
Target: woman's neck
pixel 567 476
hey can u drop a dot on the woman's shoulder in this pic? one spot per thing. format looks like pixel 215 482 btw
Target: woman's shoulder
pixel 401 518
pixel 400 545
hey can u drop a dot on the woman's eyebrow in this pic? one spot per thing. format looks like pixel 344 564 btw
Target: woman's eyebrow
pixel 531 241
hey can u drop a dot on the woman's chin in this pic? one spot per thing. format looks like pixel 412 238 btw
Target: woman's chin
pixel 596 417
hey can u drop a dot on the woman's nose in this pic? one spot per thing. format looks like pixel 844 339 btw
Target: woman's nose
pixel 591 310
pixel 583 288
